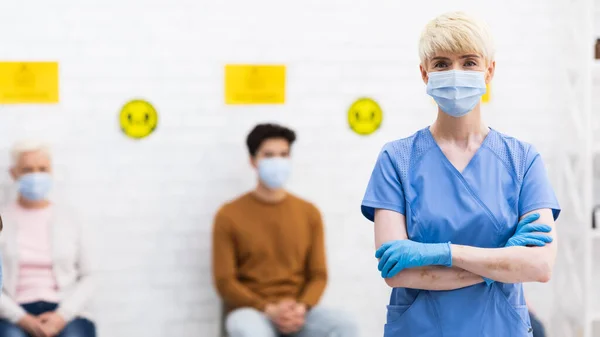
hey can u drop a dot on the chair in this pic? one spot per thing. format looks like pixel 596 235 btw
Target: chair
pixel 222 317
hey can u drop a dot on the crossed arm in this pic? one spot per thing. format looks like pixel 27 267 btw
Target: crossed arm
pixel 470 264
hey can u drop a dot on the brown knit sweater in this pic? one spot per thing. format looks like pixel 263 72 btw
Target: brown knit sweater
pixel 265 252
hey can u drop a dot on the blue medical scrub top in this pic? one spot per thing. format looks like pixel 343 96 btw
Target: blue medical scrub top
pixel 479 207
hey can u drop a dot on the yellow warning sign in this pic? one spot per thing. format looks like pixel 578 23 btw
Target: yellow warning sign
pixel 254 84
pixel 138 119
pixel 29 82
pixel 365 116
pixel 486 97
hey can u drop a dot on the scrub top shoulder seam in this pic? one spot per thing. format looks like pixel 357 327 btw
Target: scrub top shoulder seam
pixel 413 163
pixel 518 183
pixel 411 166
pixel 405 180
pixel 532 161
pixel 514 175
pixel 395 159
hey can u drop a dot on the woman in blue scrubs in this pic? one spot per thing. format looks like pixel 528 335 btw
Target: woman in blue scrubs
pixel 463 214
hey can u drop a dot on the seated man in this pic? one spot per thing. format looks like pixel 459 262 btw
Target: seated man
pixel 269 252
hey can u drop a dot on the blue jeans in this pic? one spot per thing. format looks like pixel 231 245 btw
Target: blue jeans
pixel 79 327
pixel 319 322
pixel 538 328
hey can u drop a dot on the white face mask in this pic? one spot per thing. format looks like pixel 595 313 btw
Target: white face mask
pixel 456 92
pixel 274 172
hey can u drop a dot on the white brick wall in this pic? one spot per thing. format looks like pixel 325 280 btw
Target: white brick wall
pixel 597 18
pixel 152 201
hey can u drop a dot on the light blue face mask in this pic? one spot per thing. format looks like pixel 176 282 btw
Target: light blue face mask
pixel 35 186
pixel 456 92
pixel 274 172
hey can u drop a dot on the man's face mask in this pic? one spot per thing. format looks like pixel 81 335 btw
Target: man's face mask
pixel 274 171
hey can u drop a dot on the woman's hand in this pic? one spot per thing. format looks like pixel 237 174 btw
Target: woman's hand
pixel 528 235
pixel 32 326
pixel 52 323
pixel 525 234
pixel 401 254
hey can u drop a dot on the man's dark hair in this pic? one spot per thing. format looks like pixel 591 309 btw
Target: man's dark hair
pixel 262 132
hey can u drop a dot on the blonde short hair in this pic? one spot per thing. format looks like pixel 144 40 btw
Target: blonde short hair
pixel 457 33
pixel 30 145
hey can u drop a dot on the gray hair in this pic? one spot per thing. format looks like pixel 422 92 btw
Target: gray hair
pixel 30 145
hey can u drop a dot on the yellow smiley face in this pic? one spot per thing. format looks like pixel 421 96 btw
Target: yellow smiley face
pixel 138 119
pixel 365 116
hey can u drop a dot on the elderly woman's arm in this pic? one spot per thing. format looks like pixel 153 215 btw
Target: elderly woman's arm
pixel 9 309
pixel 512 264
pixel 80 296
pixel 389 226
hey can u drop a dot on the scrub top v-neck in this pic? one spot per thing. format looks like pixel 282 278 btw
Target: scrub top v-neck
pixel 480 207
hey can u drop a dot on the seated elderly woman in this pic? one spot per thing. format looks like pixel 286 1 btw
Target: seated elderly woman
pixel 47 279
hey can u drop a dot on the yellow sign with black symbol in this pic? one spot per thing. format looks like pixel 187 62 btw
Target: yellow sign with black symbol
pixel 138 119
pixel 254 84
pixel 29 83
pixel 365 116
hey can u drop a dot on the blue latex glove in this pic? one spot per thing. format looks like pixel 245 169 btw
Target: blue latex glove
pixel 528 234
pixel 525 235
pixel 401 254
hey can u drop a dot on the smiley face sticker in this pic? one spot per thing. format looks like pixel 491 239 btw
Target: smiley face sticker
pixel 138 119
pixel 365 116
